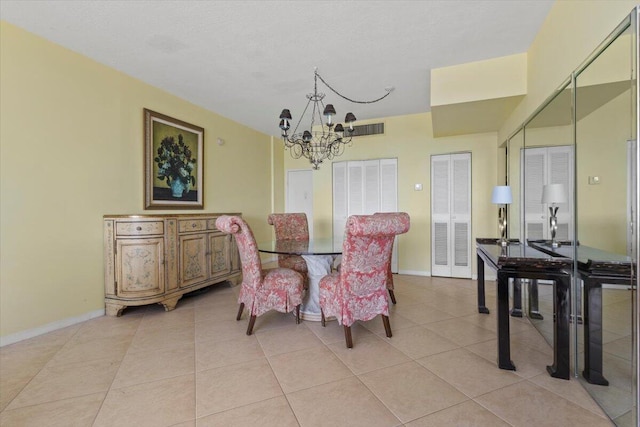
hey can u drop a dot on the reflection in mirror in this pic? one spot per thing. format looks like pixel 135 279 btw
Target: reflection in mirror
pixel 582 138
pixel 514 150
pixel 605 202
pixel 546 158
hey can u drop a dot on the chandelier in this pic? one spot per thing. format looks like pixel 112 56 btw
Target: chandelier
pixel 322 139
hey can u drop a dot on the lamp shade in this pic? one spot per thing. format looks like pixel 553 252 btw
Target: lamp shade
pixel 554 193
pixel 501 195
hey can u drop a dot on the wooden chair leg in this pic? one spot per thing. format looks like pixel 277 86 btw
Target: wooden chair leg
pixel 324 323
pixel 298 314
pixel 347 336
pixel 240 311
pixel 252 320
pixel 393 297
pixel 387 326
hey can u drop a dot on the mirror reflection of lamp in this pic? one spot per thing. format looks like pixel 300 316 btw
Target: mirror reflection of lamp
pixel 552 194
pixel 502 196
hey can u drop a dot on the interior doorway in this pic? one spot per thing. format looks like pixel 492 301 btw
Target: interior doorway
pixel 299 194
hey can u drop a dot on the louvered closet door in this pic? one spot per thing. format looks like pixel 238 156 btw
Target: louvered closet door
pixel 451 215
pixel 631 197
pixel 355 188
pixel 461 215
pixel 389 197
pixel 363 188
pixel 535 173
pixel 440 216
pixel 371 182
pixel 340 208
pixel 561 172
pixel 542 166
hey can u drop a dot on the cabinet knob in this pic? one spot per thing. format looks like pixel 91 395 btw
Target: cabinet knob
pixel 193 225
pixel 139 228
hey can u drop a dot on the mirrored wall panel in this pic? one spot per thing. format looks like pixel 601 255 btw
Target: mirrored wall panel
pixel 605 211
pixel 572 169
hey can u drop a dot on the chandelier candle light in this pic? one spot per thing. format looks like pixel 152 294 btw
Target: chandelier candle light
pixel 552 194
pixel 323 139
pixel 502 196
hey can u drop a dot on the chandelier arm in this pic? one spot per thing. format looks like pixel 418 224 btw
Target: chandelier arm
pixel 349 99
pixel 301 117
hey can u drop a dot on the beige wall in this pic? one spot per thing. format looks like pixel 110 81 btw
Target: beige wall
pixel 71 151
pixel 571 31
pixel 602 152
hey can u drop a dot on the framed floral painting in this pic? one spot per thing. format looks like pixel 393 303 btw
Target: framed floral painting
pixel 173 152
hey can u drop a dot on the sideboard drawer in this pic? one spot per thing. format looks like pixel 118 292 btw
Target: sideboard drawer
pixel 187 225
pixel 139 228
pixel 211 224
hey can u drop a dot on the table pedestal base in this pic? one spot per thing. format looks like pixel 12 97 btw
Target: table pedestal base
pixel 318 266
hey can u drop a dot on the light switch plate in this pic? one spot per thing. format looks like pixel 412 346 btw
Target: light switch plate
pixel 594 180
pixel 418 187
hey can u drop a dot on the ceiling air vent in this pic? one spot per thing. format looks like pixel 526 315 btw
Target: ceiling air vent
pixel 372 129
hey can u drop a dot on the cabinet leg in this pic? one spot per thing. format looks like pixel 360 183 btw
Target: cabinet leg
pixel 115 310
pixel 170 304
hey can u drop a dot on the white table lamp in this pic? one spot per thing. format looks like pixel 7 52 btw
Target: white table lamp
pixel 552 194
pixel 502 196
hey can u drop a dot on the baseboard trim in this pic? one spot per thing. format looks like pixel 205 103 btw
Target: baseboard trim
pixel 49 327
pixel 415 273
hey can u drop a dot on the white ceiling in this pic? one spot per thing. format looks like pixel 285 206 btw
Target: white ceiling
pixel 246 60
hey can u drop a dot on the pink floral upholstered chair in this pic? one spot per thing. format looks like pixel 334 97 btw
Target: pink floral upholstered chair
pixel 390 286
pixel 277 289
pixel 291 226
pixel 359 290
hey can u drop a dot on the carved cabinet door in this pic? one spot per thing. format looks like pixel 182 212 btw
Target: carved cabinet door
pixel 193 259
pixel 140 267
pixel 220 262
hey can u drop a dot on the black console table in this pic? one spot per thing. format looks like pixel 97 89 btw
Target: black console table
pixel 595 267
pixel 520 261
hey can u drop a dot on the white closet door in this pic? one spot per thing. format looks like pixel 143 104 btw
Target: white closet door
pixel 340 205
pixel 535 173
pixel 560 171
pixel 371 182
pixel 389 197
pixel 461 215
pixel 363 188
pixel 542 166
pixel 388 185
pixel 300 194
pixel 355 188
pixel 631 197
pixel 440 216
pixel 451 215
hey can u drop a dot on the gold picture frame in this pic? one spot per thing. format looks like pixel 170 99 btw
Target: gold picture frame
pixel 173 159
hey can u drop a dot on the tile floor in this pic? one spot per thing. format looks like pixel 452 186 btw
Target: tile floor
pixel 617 398
pixel 195 366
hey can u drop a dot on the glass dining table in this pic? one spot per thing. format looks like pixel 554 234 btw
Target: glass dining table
pixel 319 254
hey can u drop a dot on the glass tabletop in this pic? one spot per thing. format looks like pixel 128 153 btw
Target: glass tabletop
pixel 301 247
pixel 516 253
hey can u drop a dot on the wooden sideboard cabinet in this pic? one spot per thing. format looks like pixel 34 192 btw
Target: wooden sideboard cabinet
pixel 159 258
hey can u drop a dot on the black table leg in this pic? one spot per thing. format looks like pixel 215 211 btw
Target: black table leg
pixel 504 342
pixel 534 308
pixel 593 332
pixel 482 308
pixel 561 367
pixel 516 311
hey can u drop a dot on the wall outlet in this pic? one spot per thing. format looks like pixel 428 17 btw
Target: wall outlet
pixel 417 187
pixel 594 180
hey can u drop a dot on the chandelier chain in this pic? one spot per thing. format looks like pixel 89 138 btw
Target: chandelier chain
pixel 349 99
